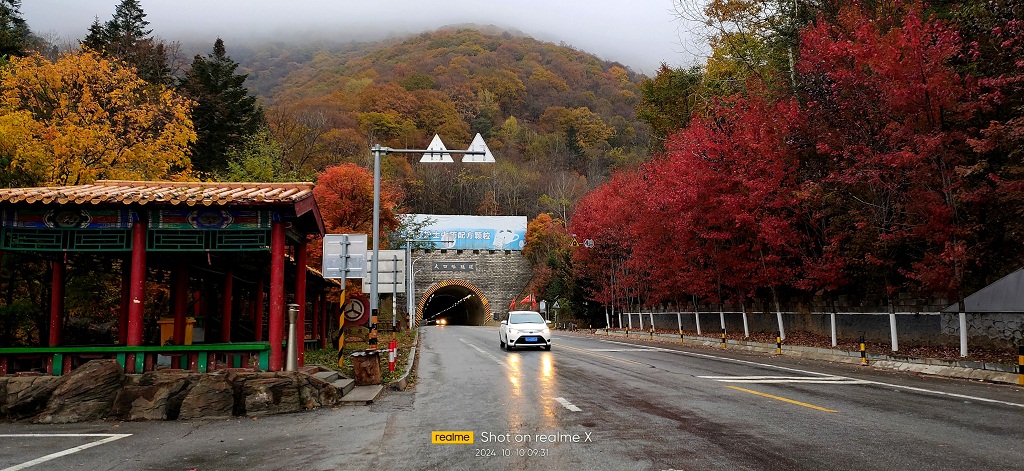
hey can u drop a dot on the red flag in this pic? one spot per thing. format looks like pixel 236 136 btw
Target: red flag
pixel 527 299
pixel 512 306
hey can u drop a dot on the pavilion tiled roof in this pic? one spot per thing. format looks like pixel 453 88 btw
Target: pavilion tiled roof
pixel 164 193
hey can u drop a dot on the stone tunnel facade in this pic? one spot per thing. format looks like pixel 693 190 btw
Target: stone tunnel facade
pixel 468 285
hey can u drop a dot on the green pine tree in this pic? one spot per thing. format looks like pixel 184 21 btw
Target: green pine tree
pixel 126 38
pixel 224 114
pixel 14 32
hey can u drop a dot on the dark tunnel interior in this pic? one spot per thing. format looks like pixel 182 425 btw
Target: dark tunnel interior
pixel 456 305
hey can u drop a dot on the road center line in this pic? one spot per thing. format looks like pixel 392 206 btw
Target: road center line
pixel 779 398
pixel 110 437
pixel 865 381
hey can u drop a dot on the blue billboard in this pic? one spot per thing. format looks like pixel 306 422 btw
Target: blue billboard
pixel 458 232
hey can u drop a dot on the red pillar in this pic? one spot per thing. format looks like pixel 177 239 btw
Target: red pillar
pixel 225 326
pixel 57 301
pixel 126 286
pixel 276 314
pixel 138 284
pixel 300 299
pixel 260 297
pixel 180 296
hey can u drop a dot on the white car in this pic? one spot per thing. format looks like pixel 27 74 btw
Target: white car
pixel 524 329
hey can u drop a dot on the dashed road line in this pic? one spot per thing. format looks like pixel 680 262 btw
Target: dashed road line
pixel 485 352
pixel 568 405
pixel 109 438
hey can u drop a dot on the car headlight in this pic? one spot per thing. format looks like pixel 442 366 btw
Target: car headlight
pixel 513 332
pixel 546 331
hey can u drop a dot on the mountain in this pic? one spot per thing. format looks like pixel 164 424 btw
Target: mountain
pixel 557 119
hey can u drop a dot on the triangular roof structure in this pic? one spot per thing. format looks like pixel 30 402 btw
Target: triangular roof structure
pixel 1005 295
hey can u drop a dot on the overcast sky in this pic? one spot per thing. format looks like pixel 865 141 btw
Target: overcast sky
pixel 638 33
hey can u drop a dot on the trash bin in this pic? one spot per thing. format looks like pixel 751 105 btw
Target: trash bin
pixel 167 329
pixel 367 367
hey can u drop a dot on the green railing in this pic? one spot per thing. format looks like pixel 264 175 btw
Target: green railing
pixel 56 359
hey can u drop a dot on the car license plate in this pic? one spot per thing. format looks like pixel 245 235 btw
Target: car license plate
pixel 530 339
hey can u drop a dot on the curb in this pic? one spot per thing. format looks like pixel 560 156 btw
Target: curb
pixel 401 383
pixel 991 372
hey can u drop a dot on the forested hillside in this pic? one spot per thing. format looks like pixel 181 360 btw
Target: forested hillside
pixel 556 119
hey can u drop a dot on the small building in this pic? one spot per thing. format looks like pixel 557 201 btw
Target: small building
pixel 230 254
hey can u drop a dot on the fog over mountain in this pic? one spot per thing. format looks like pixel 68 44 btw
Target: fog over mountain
pixel 640 34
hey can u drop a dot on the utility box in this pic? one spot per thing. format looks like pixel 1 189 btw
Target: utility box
pixel 167 329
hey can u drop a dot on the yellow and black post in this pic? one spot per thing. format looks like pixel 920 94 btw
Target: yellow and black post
pixel 652 333
pixel 341 329
pixel 680 335
pixel 627 331
pixel 1020 365
pixel 778 344
pixel 863 352
pixel 723 338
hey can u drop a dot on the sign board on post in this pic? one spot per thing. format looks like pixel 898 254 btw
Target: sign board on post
pixel 344 256
pixel 390 272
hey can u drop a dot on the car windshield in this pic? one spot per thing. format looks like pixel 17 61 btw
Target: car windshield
pixel 525 318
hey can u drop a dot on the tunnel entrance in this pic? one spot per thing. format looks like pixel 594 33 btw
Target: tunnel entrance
pixel 456 301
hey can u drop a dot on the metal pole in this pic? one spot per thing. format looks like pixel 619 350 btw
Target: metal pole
pixel 394 294
pixel 293 349
pixel 410 288
pixel 372 341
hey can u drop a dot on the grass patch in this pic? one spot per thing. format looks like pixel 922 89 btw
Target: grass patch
pixel 328 357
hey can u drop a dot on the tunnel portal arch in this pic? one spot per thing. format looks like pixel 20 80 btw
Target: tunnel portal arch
pixel 458 301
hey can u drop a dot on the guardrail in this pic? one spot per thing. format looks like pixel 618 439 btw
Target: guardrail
pixel 201 358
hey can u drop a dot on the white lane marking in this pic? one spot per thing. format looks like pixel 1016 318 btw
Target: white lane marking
pixel 785 379
pixel 793 381
pixel 110 437
pixel 620 350
pixel 486 353
pixel 568 405
pixel 865 381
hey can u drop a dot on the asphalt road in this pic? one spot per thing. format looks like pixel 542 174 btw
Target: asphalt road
pixel 589 404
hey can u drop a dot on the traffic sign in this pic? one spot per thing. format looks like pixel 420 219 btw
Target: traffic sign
pixel 344 256
pixel 390 272
pixel 478 145
pixel 437 152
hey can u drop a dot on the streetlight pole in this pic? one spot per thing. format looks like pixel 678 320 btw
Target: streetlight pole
pixel 378 150
pixel 410 279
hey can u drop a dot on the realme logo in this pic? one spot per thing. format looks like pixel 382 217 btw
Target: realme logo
pixel 451 438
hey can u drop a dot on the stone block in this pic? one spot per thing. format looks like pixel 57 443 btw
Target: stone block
pixel 85 394
pixel 273 393
pixel 153 395
pixel 212 396
pixel 24 397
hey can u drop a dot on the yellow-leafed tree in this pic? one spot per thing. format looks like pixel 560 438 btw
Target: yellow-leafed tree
pixel 83 118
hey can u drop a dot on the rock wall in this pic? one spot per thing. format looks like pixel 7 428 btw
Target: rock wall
pixel 100 390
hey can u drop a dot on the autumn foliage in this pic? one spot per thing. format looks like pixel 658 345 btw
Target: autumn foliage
pixel 84 118
pixel 876 175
